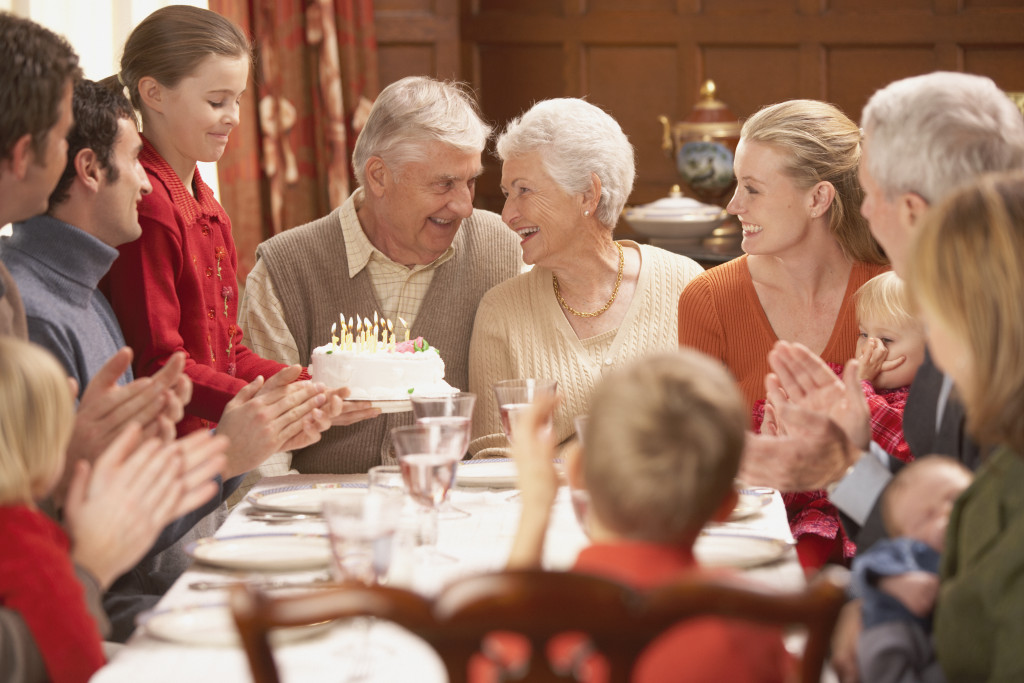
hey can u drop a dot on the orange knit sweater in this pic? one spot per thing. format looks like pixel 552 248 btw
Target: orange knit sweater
pixel 720 314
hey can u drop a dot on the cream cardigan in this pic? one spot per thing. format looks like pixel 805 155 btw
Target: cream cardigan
pixel 520 331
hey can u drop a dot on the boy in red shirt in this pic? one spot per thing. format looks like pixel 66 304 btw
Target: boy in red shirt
pixel 662 447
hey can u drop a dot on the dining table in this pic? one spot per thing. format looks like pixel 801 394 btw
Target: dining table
pixel 189 635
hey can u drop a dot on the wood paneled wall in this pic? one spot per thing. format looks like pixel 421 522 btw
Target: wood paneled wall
pixel 642 58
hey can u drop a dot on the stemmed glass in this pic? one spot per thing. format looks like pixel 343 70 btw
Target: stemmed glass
pixel 361 529
pixel 456 409
pixel 428 455
pixel 514 396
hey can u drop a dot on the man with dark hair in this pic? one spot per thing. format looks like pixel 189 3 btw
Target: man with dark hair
pixel 58 258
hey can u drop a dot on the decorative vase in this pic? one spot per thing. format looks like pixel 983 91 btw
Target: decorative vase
pixel 703 146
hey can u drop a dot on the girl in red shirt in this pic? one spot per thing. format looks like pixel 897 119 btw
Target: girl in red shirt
pixel 175 288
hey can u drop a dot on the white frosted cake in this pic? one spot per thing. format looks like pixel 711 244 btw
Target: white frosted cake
pixel 391 373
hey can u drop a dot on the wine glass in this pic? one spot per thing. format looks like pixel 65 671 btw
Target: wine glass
pixel 456 409
pixel 514 395
pixel 361 530
pixel 428 455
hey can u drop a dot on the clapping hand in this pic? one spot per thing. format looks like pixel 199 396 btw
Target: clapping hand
pixel 116 506
pixel 801 378
pixel 813 427
pixel 106 408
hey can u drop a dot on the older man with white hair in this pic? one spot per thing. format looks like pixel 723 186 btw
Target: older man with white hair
pixel 406 244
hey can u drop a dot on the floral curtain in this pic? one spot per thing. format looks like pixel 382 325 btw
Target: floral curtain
pixel 314 80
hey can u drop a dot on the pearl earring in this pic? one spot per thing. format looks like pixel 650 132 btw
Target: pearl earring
pixel 586 213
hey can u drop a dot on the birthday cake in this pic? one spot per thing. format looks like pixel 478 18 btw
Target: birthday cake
pixel 382 371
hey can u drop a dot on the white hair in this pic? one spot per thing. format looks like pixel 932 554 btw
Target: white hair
pixel 927 134
pixel 575 139
pixel 411 113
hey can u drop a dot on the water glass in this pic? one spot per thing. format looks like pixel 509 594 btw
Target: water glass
pixel 361 530
pixel 429 455
pixel 514 395
pixel 456 409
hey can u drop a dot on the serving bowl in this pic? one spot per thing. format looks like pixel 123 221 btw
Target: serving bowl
pixel 675 216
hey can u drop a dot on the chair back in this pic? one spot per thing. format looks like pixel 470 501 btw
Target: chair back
pixel 618 622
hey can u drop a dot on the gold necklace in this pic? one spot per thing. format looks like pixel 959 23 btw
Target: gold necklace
pixel 615 292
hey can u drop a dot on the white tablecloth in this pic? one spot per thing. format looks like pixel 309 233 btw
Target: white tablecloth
pixel 480 543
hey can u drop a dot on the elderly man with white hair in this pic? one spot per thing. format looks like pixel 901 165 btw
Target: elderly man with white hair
pixel 591 303
pixel 406 244
pixel 923 137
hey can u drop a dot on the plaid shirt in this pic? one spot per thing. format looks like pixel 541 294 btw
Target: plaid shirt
pixel 887 419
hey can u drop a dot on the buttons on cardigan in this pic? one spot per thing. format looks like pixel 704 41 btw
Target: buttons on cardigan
pixel 209 271
pixel 608 361
pixel 211 314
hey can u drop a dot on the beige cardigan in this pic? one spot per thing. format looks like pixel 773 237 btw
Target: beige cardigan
pixel 520 331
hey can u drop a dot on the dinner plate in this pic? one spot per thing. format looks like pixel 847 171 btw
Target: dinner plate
pixel 212 626
pixel 495 473
pixel 729 549
pixel 263 552
pixel 303 498
pixel 402 405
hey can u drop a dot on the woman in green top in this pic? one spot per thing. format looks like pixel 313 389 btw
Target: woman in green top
pixel 966 274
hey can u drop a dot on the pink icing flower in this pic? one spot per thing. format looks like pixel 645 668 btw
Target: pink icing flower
pixel 412 346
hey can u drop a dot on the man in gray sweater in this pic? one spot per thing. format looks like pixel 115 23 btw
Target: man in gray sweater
pixel 406 244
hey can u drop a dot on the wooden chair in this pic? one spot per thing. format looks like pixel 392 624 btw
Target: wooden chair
pixel 618 621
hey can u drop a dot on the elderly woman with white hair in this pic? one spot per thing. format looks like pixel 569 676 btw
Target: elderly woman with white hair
pixel 590 303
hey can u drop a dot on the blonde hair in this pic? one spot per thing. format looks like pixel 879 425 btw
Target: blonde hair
pixel 892 498
pixel 884 298
pixel 663 445
pixel 823 145
pixel 36 417
pixel 967 268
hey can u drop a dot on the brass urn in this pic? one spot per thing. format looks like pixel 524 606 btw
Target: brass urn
pixel 703 146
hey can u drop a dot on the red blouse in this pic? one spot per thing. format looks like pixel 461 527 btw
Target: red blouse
pixel 176 289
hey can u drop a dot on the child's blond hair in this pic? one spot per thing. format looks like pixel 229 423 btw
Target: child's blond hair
pixel 884 298
pixel 36 418
pixel 663 445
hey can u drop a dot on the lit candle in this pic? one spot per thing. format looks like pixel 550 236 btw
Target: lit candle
pixel 406 326
pixel 391 334
pixel 334 337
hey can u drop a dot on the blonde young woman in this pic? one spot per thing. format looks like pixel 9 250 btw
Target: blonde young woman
pixel 966 273
pixel 590 303
pixel 807 250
